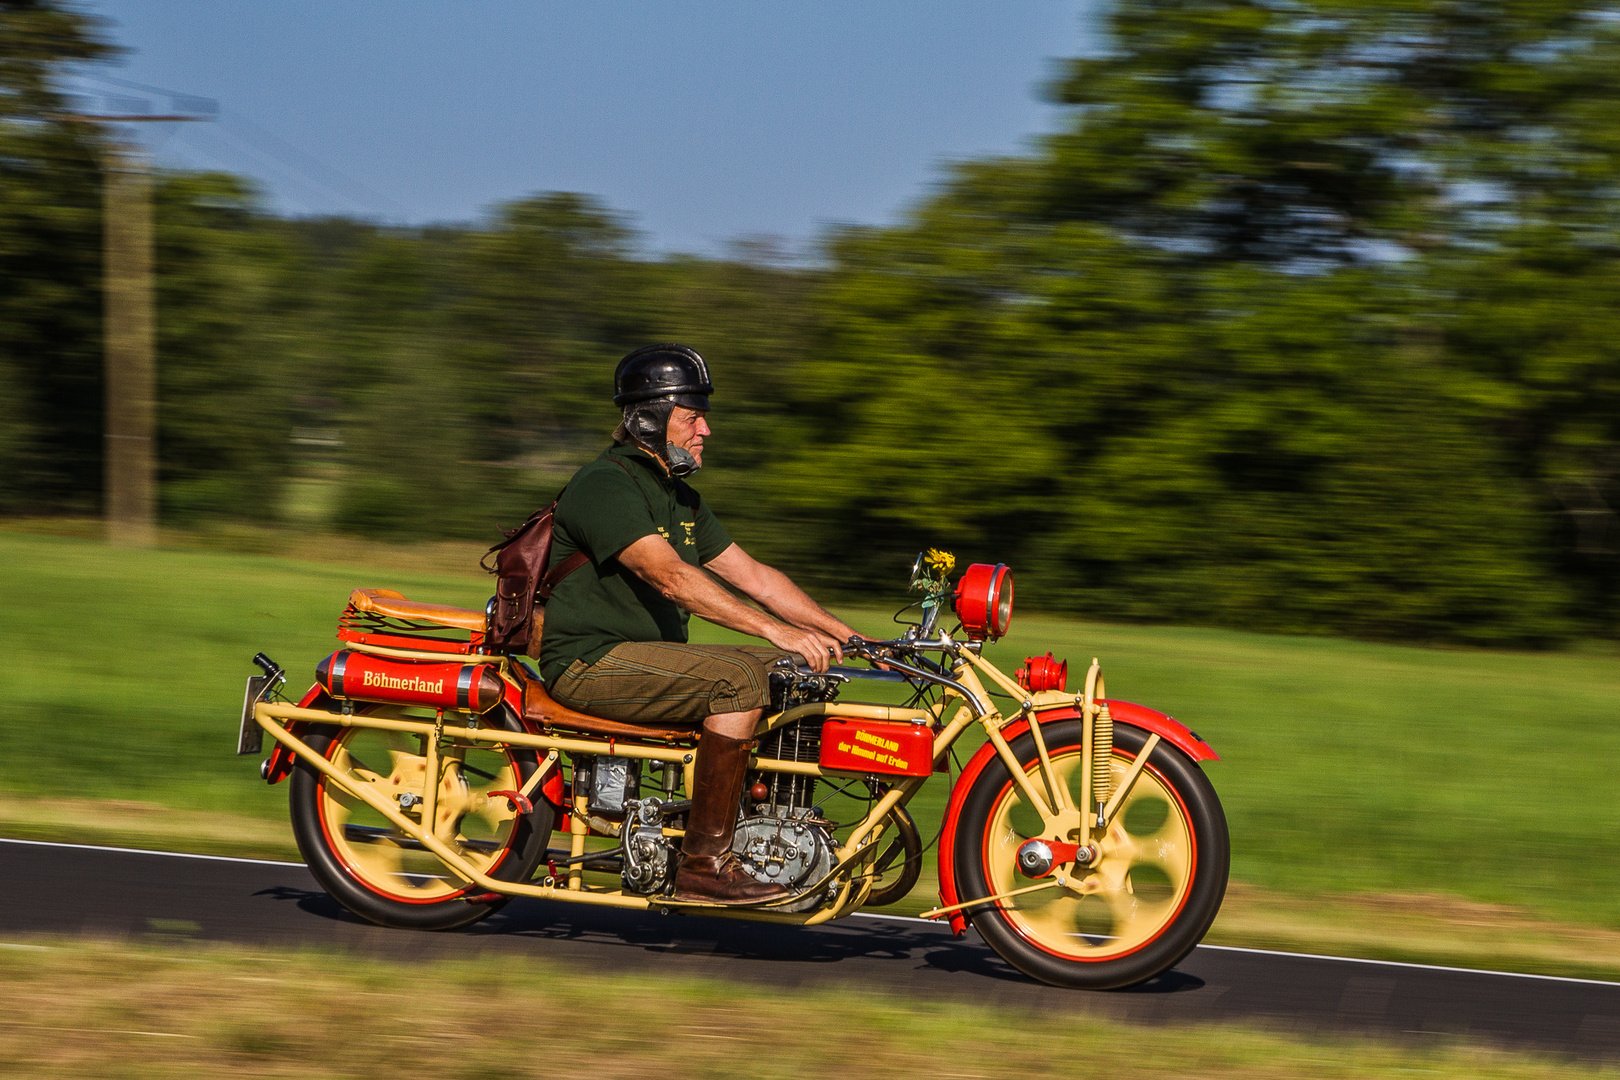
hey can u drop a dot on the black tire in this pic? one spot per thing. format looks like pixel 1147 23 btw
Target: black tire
pixel 1150 905
pixel 385 878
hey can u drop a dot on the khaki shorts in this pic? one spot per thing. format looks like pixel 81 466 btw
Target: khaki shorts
pixel 663 682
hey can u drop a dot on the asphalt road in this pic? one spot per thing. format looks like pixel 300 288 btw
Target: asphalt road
pixel 55 889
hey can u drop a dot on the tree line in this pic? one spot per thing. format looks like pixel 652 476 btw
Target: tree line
pixel 1304 320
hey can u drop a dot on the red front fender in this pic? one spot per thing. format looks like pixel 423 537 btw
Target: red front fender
pixel 1124 712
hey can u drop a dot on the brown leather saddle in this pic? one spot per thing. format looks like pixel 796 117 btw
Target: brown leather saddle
pixel 538 706
pixel 548 712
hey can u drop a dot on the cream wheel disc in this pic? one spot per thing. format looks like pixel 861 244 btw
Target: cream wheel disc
pixel 394 765
pixel 1138 908
pixel 1136 888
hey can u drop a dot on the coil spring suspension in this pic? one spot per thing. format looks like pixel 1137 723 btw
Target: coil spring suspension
pixel 1102 756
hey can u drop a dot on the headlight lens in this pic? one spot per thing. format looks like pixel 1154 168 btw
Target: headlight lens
pixel 983 600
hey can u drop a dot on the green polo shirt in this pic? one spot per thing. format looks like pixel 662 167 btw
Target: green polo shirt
pixel 611 503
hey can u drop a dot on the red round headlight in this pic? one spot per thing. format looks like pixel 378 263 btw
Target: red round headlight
pixel 984 599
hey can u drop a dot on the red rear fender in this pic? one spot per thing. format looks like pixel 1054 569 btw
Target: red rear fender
pixel 280 763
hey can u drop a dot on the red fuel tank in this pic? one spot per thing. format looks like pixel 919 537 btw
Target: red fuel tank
pixel 877 746
pixel 355 675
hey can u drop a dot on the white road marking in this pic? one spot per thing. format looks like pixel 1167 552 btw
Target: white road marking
pixel 148 851
pixel 907 918
pixel 1404 964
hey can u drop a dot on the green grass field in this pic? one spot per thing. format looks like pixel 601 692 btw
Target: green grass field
pixel 1350 770
pixel 165 1007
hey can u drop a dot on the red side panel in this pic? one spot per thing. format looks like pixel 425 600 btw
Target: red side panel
pixel 1123 712
pixel 514 701
pixel 878 746
pixel 551 788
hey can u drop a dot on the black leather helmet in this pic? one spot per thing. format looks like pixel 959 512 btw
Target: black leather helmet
pixel 671 372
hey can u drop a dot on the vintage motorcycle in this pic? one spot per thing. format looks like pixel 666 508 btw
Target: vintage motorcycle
pixel 428 775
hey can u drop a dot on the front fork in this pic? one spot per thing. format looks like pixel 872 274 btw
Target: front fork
pixel 1074 834
pixel 1059 814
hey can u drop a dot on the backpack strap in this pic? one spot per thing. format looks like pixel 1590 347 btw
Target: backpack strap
pixel 553 578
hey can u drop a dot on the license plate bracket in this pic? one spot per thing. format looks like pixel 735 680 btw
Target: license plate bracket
pixel 250 738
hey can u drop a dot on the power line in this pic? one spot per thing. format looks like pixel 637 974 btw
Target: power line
pixel 186 103
pixel 270 148
pixel 315 163
pixel 236 150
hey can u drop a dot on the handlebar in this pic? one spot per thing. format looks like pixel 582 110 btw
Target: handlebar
pixel 840 671
pixel 869 674
pixel 875 650
pixel 882 652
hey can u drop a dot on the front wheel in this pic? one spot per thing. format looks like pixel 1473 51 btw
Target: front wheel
pixel 386 876
pixel 1144 904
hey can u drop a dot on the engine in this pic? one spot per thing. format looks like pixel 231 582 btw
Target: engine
pixel 795 852
pixel 781 837
pixel 648 864
pixel 786 794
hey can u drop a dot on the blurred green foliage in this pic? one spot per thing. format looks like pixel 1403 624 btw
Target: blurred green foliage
pixel 50 260
pixel 223 294
pixel 1304 320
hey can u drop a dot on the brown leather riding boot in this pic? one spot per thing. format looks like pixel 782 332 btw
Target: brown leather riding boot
pixel 709 872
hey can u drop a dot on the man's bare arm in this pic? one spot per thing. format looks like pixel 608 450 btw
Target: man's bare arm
pixel 653 560
pixel 776 593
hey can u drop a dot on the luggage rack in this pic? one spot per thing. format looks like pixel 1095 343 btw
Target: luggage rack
pixel 362 624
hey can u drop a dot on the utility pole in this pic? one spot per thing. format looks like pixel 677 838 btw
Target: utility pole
pixel 130 447
pixel 129 451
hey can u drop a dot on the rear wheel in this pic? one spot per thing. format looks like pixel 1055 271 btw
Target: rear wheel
pixel 382 874
pixel 1150 897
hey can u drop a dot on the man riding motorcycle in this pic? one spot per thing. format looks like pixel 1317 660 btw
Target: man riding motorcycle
pixel 615 641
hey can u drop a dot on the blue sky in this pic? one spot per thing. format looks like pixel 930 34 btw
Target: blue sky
pixel 703 121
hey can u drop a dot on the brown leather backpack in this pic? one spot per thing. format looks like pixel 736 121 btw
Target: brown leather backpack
pixel 522 585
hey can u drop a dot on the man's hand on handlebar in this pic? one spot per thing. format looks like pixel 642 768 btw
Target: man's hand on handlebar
pixel 819 650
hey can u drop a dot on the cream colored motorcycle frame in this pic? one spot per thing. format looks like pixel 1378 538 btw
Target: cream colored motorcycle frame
pixel 1061 819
